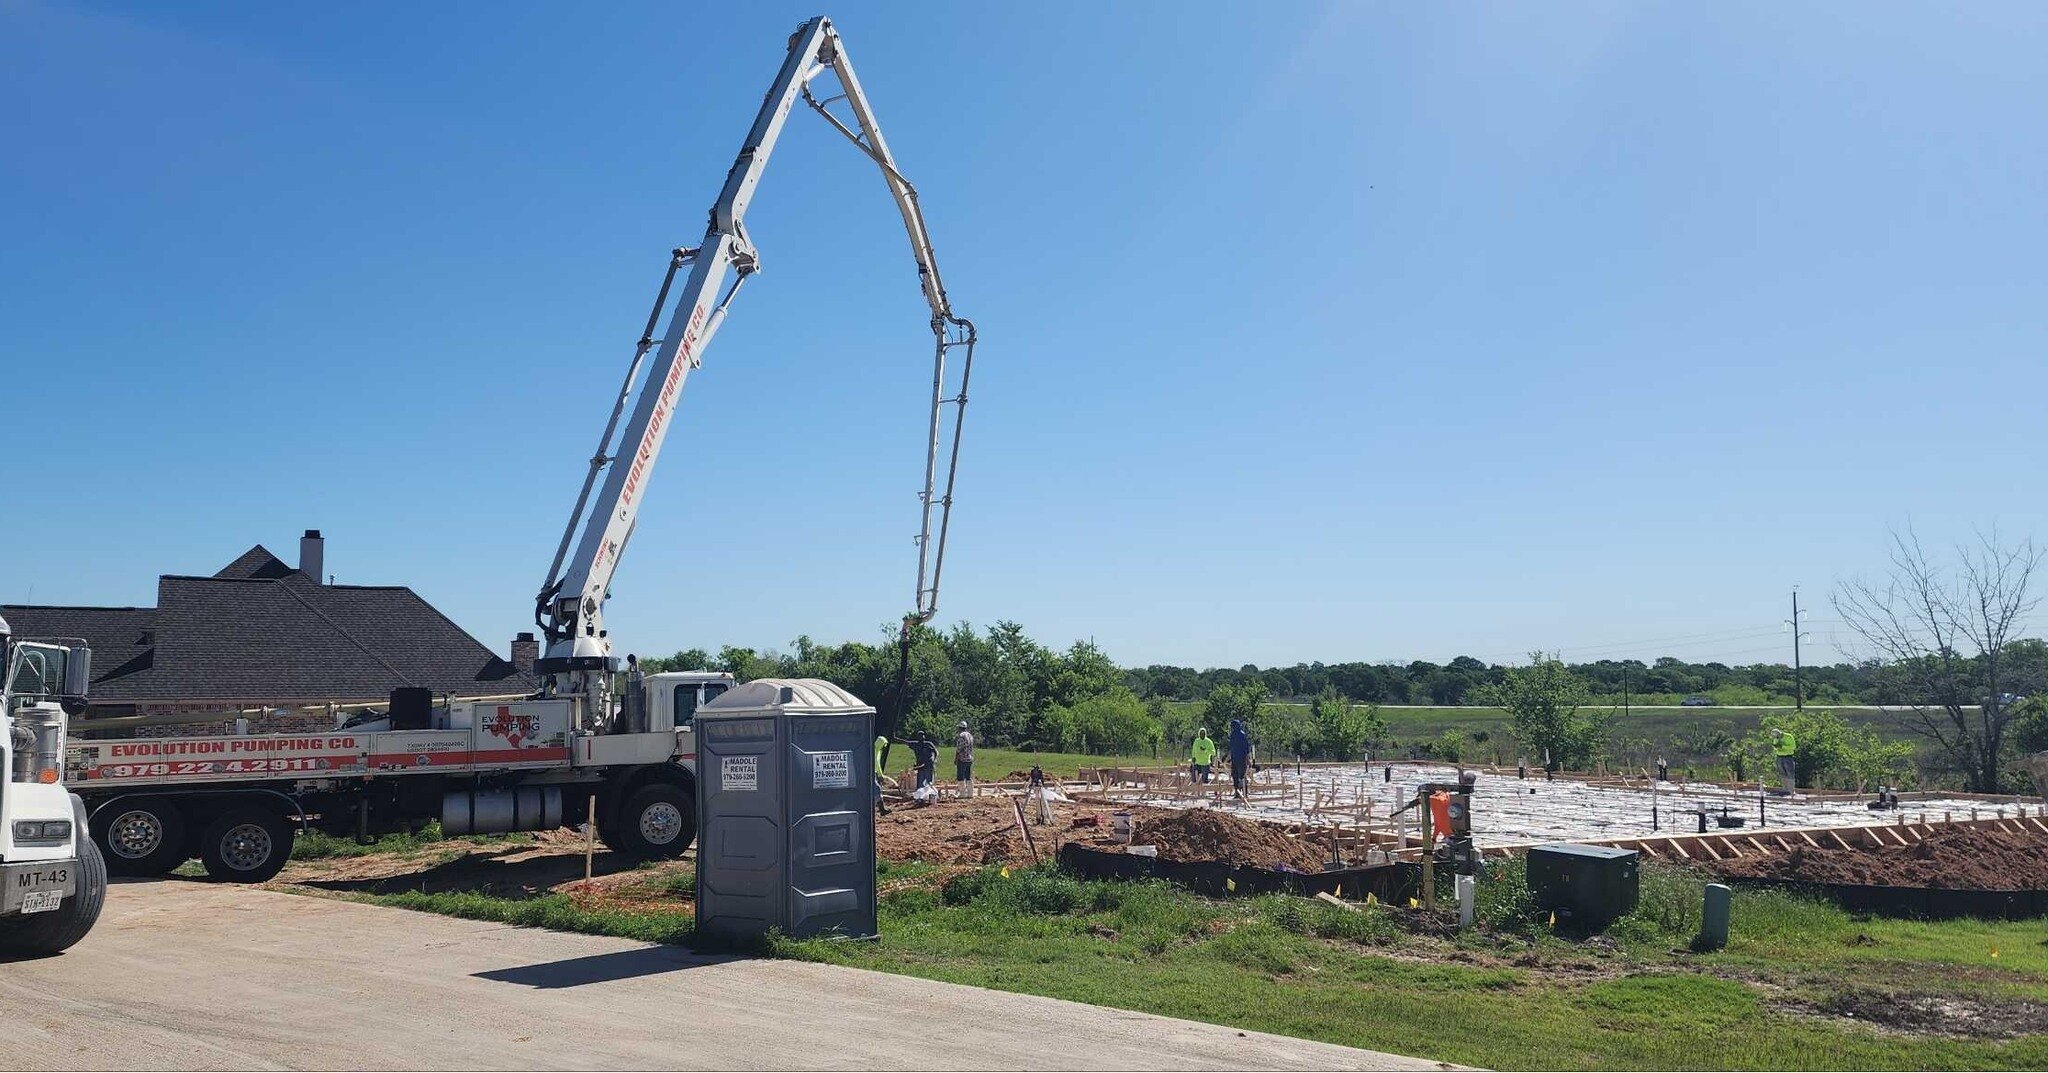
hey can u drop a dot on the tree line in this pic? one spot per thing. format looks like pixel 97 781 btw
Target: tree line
pixel 1944 628
pixel 1016 691
pixel 1666 680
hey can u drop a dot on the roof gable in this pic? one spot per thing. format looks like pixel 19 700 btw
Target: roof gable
pixel 257 562
pixel 261 632
pixel 291 640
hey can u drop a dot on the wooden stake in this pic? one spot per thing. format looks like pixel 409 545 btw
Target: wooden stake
pixel 1017 803
pixel 1428 854
pixel 589 839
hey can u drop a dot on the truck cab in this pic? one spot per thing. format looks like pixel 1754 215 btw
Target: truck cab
pixel 52 878
pixel 673 698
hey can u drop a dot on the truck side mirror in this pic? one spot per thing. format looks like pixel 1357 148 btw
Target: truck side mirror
pixel 77 675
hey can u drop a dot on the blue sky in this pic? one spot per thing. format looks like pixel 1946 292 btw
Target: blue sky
pixel 1362 331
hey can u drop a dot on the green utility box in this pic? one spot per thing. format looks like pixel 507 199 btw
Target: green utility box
pixel 1589 887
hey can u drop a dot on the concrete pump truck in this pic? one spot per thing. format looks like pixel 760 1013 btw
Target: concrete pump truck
pixel 52 879
pixel 586 736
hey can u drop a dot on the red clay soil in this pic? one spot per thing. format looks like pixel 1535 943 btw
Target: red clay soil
pixel 1200 834
pixel 1969 859
pixel 981 831
pixel 984 831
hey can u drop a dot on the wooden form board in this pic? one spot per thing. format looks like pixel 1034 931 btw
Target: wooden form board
pixel 1748 842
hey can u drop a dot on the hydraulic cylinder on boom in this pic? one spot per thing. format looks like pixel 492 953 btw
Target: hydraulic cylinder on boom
pixel 569 609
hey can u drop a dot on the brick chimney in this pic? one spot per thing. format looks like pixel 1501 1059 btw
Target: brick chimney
pixel 313 556
pixel 524 651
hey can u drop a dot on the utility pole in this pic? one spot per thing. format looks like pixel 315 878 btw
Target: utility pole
pixel 1798 676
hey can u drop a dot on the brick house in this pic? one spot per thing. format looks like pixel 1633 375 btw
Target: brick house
pixel 274 642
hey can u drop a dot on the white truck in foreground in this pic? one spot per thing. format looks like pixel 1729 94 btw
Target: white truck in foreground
pixel 52 880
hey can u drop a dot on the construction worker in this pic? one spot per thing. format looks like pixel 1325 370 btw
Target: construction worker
pixel 963 758
pixel 1240 757
pixel 926 753
pixel 881 747
pixel 1203 753
pixel 1787 747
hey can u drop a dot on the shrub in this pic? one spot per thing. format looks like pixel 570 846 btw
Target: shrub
pixel 1503 903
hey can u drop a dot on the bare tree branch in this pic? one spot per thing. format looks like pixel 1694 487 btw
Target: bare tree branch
pixel 1945 631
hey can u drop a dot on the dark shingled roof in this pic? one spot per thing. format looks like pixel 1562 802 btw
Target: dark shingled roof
pixel 253 635
pixel 257 562
pixel 122 638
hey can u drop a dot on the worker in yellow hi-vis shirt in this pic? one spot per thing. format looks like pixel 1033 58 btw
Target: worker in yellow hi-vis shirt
pixel 1203 755
pixel 1787 748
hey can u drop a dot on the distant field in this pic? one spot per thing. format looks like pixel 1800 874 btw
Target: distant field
pixel 1660 726
pixel 990 765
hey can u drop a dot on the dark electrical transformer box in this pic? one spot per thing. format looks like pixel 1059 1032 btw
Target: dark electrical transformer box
pixel 1589 886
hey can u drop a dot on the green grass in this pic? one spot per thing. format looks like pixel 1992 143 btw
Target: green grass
pixel 993 764
pixel 1302 968
pixel 1508 995
pixel 1661 727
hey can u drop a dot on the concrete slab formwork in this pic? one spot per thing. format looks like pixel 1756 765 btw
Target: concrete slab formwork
pixel 1509 812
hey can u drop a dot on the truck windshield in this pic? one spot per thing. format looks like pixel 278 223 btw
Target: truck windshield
pixel 36 672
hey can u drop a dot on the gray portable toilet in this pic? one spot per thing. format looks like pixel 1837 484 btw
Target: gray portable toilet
pixel 785 807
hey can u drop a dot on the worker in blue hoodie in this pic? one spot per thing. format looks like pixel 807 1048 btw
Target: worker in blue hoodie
pixel 1240 757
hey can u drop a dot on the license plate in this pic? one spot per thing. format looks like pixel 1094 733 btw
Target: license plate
pixel 35 888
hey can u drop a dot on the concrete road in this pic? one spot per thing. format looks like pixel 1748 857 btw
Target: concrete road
pixel 185 975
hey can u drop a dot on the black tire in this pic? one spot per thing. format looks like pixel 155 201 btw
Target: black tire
pixel 246 845
pixel 144 836
pixel 607 820
pixel 43 934
pixel 657 820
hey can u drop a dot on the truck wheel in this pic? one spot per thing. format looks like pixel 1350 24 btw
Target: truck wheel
pixel 658 820
pixel 607 820
pixel 143 837
pixel 247 845
pixel 43 934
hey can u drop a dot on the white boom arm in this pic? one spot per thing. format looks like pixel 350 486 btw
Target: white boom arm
pixel 570 606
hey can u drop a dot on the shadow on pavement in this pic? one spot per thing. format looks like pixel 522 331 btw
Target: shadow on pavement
pixel 506 873
pixel 598 968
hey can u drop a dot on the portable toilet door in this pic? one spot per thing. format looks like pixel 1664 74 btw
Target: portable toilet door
pixel 786 807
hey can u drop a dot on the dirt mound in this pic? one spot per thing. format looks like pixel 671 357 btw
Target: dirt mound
pixel 950 831
pixel 1200 834
pixel 1966 859
pixel 984 831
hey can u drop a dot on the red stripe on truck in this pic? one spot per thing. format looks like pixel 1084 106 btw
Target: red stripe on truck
pixel 465 757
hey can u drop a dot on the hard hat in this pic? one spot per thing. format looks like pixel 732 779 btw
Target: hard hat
pixel 963 724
